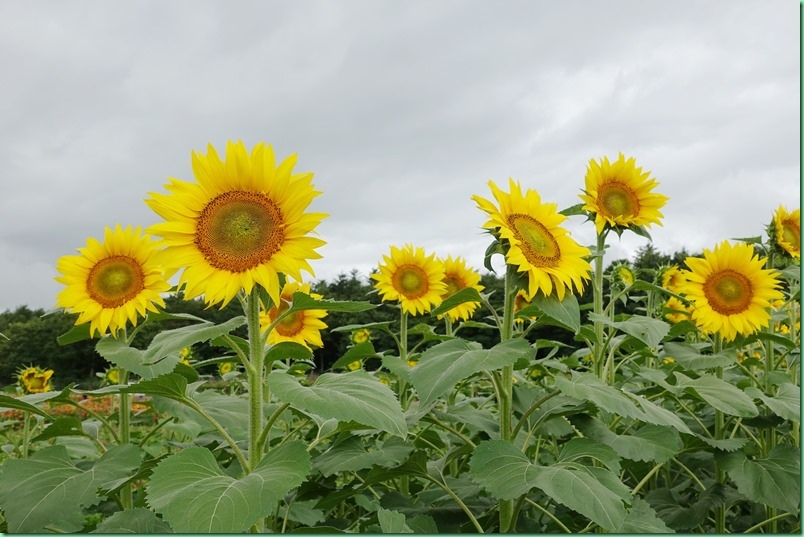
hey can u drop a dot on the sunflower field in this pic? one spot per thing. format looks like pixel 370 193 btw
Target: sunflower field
pixel 675 409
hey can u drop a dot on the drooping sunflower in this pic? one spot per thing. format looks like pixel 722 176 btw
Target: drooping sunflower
pixel 730 291
pixel 413 278
pixel 457 276
pixel 300 327
pixel 785 231
pixel 113 282
pixel 619 194
pixel 537 245
pixel 242 223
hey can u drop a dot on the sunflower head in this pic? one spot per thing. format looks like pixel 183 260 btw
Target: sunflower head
pixel 354 366
pixel 243 222
pixel 34 379
pixel 521 301
pixel 301 327
pixel 114 282
pixel 361 335
pixel 730 291
pixel 785 232
pixel 457 276
pixel 535 242
pixel 624 274
pixel 672 278
pixel 677 310
pixel 112 376
pixel 412 277
pixel 225 367
pixel 618 194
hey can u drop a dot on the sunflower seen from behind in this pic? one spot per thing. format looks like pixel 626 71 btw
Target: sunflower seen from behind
pixel 243 222
pixel 785 232
pixel 458 276
pixel 303 327
pixel 412 277
pixel 537 245
pixel 619 194
pixel 114 282
pixel 730 291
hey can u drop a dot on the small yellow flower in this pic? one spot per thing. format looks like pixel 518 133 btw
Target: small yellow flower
pixel 361 336
pixel 35 379
pixel 113 376
pixel 411 363
pixel 624 273
pixel 225 367
pixel 354 366
pixel 669 360
pixel 184 355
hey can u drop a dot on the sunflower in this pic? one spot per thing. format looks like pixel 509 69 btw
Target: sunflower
pixel 619 194
pixel 730 291
pixel 225 367
pixel 680 311
pixel 624 274
pixel 113 282
pixel 413 278
pixel 785 230
pixel 361 335
pixel 34 379
pixel 112 376
pixel 458 276
pixel 300 327
pixel 242 223
pixel 673 278
pixel 537 246
pixel 521 302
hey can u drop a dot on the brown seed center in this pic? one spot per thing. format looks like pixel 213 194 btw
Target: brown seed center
pixel 239 230
pixel 115 280
pixel 538 245
pixel 618 199
pixel 728 292
pixel 410 281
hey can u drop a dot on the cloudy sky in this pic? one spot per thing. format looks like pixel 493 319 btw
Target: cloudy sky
pixel 402 110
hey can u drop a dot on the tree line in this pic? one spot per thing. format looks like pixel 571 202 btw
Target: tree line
pixel 31 334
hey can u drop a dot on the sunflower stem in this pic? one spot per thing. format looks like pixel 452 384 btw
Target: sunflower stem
pixel 124 413
pixel 506 507
pixel 255 376
pixel 404 481
pixel 720 427
pixel 597 288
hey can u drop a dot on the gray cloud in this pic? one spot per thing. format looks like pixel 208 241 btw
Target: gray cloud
pixel 402 110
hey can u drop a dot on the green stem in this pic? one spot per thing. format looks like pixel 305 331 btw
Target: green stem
pixel 535 406
pixel 26 433
pixel 264 436
pixel 124 413
pixel 597 288
pixel 505 402
pixel 720 429
pixel 550 515
pixel 403 355
pixel 218 427
pixel 256 376
pixel 458 500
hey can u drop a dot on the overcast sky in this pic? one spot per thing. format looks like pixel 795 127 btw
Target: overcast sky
pixel 402 110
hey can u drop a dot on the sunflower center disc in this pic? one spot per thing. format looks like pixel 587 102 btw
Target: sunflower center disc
pixel 239 230
pixel 618 200
pixel 454 284
pixel 538 244
pixel 791 233
pixel 115 280
pixel 290 325
pixel 728 292
pixel 410 281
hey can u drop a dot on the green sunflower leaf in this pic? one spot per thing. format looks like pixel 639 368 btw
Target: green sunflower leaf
pixel 287 350
pixel 48 488
pixel 172 386
pixel 194 495
pixel 354 396
pixel 720 394
pixel 392 521
pixel 170 342
pixel 785 404
pixel 566 312
pixel 441 367
pixel 503 470
pixel 774 481
pixel 691 358
pixel 350 456
pixel 7 402
pixel 303 301
pixel 649 331
pixel 357 352
pixel 137 520
pixel 467 294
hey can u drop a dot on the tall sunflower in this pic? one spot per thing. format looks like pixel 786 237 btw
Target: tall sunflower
pixel 113 282
pixel 537 245
pixel 242 223
pixel 303 327
pixel 730 291
pixel 785 231
pixel 457 276
pixel 619 194
pixel 413 278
